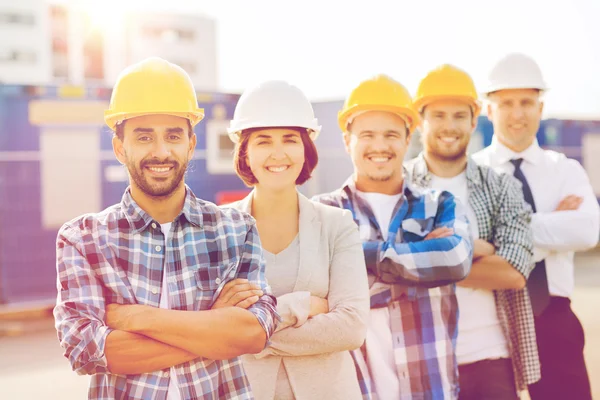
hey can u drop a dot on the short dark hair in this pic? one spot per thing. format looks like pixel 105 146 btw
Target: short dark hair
pixel 407 130
pixel 311 157
pixel 120 129
pixel 422 112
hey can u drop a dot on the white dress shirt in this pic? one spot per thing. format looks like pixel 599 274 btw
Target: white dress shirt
pixel 556 234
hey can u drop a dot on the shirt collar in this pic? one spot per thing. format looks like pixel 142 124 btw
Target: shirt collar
pixel 503 154
pixel 421 176
pixel 349 186
pixel 139 219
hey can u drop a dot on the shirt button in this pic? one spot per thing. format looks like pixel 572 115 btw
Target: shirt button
pixel 166 374
pixel 218 281
pixel 154 291
pixel 157 248
pixel 154 225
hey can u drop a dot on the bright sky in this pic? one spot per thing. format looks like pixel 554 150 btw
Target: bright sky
pixel 327 46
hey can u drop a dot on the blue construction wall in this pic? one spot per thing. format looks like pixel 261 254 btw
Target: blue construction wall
pixel 27 250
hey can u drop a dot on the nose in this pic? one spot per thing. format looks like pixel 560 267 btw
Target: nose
pixel 161 149
pixel 278 152
pixel 517 112
pixel 379 143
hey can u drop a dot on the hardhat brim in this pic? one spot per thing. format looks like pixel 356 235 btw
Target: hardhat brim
pixel 235 135
pixel 497 88
pixel 422 102
pixel 112 119
pixel 403 112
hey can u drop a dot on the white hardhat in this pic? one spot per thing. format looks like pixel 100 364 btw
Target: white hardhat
pixel 515 71
pixel 273 104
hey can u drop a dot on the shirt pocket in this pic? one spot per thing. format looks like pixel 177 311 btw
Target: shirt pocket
pixel 415 229
pixel 210 281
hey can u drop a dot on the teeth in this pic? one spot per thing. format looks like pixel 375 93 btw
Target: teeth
pixel 277 169
pixel 379 159
pixel 156 169
pixel 448 139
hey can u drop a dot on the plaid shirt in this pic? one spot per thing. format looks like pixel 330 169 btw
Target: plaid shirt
pixel 118 256
pixel 418 288
pixel 503 219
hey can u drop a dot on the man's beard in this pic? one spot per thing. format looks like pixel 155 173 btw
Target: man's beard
pixel 164 188
pixel 459 155
pixel 380 178
pixel 435 150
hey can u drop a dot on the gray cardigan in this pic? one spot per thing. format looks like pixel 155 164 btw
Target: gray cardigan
pixel 315 351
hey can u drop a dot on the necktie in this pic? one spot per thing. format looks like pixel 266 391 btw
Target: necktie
pixel 537 284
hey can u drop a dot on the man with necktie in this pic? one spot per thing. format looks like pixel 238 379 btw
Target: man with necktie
pixel 566 219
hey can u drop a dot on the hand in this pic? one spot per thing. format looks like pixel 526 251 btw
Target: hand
pixel 318 306
pixel 569 203
pixel 238 293
pixel 482 248
pixel 439 233
pixel 120 316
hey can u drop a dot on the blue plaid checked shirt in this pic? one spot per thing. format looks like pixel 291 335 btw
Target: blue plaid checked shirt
pixel 419 290
pixel 118 256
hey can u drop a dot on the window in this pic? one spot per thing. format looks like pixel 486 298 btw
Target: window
pixel 93 55
pixel 219 148
pixel 17 19
pixel 18 56
pixel 59 39
pixel 168 34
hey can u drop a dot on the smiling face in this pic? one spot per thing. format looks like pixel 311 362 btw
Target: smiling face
pixel 156 150
pixel 446 129
pixel 275 156
pixel 516 116
pixel 377 142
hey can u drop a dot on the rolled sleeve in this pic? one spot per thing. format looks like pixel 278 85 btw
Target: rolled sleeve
pixel 80 307
pixel 514 235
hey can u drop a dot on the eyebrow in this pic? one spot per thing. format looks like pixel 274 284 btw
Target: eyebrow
pixel 385 132
pixel 150 130
pixel 287 135
pixel 143 130
pixel 174 130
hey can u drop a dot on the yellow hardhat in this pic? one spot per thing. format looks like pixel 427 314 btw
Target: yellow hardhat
pixel 447 82
pixel 153 86
pixel 380 93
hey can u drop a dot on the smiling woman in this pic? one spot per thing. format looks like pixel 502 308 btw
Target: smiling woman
pixel 294 142
pixel 313 254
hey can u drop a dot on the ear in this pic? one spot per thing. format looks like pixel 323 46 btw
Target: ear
pixel 489 112
pixel 407 134
pixel 347 137
pixel 192 147
pixel 119 150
